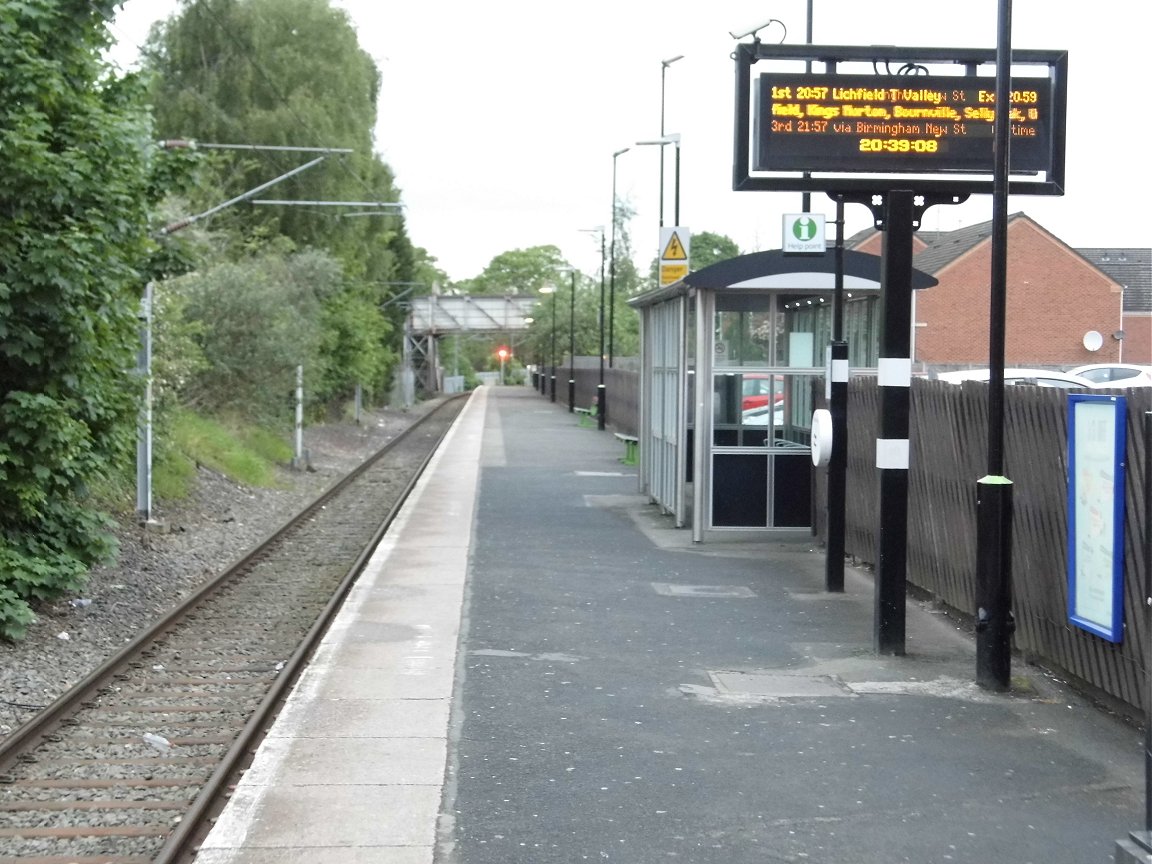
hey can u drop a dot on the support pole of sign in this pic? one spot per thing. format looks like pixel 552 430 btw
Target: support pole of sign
pixel 298 462
pixel 601 389
pixel 1148 621
pixel 1136 848
pixel 837 469
pixel 144 424
pixel 572 344
pixel 895 381
pixel 994 623
pixel 838 408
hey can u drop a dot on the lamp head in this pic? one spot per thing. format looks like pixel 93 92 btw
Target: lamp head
pixel 671 138
pixel 752 31
pixel 671 60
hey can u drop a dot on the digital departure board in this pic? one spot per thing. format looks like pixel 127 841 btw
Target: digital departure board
pixel 897 123
pixel 862 120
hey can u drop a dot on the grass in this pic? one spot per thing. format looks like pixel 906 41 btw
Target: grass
pixel 245 454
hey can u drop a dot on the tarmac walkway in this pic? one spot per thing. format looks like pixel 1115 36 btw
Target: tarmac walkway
pixel 539 668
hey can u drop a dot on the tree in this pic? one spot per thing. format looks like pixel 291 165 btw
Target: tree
pixel 291 73
pixel 74 192
pixel 625 280
pixel 259 318
pixel 518 271
pixel 286 73
pixel 709 248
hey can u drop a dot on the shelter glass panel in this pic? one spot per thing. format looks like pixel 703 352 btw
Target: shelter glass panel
pixel 762 409
pixel 743 330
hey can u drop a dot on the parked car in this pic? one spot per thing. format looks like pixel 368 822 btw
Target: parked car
pixel 1115 374
pixel 1013 376
pixel 760 390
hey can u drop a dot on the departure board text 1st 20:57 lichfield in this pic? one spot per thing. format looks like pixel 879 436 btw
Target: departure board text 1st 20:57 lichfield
pixel 836 122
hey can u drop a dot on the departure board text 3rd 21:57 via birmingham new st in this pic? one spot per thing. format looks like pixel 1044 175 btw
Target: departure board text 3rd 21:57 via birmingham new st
pixel 897 123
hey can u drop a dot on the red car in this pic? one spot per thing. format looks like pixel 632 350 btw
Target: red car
pixel 762 389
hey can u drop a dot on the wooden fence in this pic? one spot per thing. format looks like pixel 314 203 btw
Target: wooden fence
pixel 949 429
pixel 621 382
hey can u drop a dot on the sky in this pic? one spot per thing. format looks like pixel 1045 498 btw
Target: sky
pixel 500 118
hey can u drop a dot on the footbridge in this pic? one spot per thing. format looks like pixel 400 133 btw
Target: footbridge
pixel 438 315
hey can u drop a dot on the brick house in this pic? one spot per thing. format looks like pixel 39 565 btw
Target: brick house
pixel 1056 294
pixel 1132 269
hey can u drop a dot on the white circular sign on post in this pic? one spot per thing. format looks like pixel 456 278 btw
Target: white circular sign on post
pixel 821 437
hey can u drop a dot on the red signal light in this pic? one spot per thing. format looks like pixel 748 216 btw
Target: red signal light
pixel 503 353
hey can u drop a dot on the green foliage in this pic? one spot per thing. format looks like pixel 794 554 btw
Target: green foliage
pixel 584 313
pixel 287 73
pixel 73 193
pixel 173 474
pixel 622 334
pixel 518 271
pixel 253 321
pixel 236 331
pixel 354 342
pixel 244 453
pixel 709 248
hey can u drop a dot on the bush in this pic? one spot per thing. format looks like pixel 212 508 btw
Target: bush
pixel 74 193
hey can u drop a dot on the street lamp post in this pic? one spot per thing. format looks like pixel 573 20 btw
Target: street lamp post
pixel 664 64
pixel 601 390
pixel 672 138
pixel 571 341
pixel 612 269
pixel 551 289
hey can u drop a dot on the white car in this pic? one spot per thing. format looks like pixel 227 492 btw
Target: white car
pixel 1115 375
pixel 1013 376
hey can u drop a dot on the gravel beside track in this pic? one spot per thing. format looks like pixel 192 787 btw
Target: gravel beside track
pixel 228 657
pixel 158 566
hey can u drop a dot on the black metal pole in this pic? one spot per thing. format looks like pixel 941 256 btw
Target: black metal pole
pixel 894 379
pixel 994 623
pixel 838 408
pixel 1148 623
pixel 837 470
pixel 664 64
pixel 806 197
pixel 572 347
pixel 612 270
pixel 601 390
pixel 553 377
pixel 663 69
pixel 1137 847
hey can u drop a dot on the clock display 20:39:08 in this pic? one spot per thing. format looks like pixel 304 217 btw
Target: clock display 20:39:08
pixel 900 145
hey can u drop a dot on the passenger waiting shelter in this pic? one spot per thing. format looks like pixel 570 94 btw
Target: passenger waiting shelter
pixel 735 454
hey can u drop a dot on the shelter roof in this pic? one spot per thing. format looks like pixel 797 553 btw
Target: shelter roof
pixel 776 270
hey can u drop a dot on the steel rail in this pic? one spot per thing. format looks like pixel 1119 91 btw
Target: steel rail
pixel 37 729
pixel 190 826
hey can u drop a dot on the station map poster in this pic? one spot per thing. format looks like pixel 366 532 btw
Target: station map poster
pixel 1096 442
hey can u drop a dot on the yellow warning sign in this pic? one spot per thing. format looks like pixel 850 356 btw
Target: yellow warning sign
pixel 672 273
pixel 675 250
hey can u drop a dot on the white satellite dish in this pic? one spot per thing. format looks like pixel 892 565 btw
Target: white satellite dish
pixel 1093 340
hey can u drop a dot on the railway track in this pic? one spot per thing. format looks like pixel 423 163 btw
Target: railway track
pixel 130 766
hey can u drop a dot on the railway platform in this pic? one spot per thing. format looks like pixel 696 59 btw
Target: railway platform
pixel 538 668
